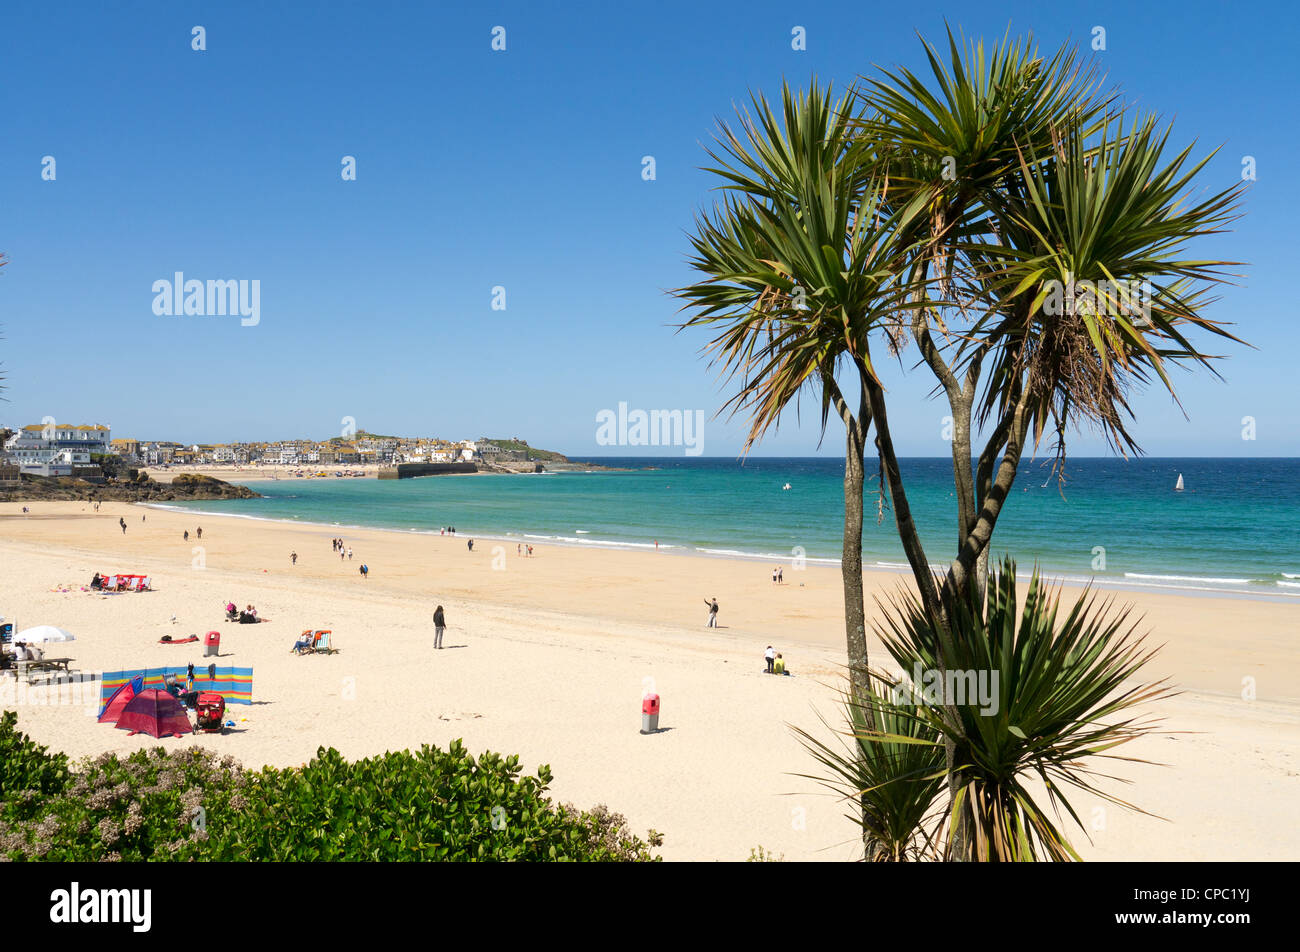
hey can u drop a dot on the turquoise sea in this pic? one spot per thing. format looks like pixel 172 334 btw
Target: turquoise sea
pixel 1236 527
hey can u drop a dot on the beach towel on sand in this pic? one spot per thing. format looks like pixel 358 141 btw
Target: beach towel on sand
pixel 167 640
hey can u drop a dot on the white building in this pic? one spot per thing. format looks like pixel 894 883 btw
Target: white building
pixel 53 449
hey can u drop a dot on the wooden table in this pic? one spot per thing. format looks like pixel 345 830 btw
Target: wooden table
pixel 28 668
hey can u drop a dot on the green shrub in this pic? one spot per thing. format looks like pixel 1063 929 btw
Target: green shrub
pixel 409 805
pixel 414 805
pixel 28 772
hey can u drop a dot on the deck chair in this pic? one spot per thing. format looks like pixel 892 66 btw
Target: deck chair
pixel 322 645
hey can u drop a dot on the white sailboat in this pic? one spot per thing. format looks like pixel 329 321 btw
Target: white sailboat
pixel 1178 487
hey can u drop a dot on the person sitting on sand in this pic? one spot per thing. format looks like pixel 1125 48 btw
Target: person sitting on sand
pixel 96 583
pixel 778 666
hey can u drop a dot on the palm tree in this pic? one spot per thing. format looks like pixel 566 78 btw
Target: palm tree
pixel 963 213
pixel 796 266
pixel 1028 184
pixel 1056 697
pixel 1031 186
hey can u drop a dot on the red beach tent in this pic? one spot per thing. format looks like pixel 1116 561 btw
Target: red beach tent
pixel 155 713
pixel 113 708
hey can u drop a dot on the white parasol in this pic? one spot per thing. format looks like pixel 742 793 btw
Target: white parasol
pixel 44 633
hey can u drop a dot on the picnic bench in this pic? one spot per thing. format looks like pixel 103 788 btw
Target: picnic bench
pixel 28 669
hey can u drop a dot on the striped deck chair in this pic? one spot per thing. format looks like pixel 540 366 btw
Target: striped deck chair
pixel 322 645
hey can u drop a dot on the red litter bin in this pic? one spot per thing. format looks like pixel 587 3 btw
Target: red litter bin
pixel 650 714
pixel 212 643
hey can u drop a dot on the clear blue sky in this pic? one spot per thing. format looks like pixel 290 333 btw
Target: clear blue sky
pixel 520 169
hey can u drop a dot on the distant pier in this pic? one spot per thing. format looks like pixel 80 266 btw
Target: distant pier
pixel 411 470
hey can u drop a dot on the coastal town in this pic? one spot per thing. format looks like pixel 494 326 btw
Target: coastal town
pixel 91 452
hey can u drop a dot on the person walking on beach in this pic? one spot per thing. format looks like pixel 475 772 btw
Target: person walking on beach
pixel 769 656
pixel 293 558
pixel 349 554
pixel 471 545
pixel 713 612
pixel 365 570
pixel 439 626
pixel 342 555
pixel 187 535
pixel 200 532
pixel 774 571
pixel 780 575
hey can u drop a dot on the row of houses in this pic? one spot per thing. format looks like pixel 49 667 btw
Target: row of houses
pixel 382 452
pixel 51 449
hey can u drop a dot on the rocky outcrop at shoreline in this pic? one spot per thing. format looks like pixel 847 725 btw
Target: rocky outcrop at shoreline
pixel 183 486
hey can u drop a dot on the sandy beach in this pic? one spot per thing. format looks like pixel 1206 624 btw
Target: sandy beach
pixel 548 657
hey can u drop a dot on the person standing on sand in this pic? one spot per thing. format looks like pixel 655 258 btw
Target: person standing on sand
pixel 769 656
pixel 293 558
pixel 122 523
pixel 471 545
pixel 365 570
pixel 439 626
pixel 187 535
pixel 200 532
pixel 713 612
pixel 349 553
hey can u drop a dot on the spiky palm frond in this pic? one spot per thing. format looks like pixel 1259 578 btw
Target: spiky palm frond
pixel 796 258
pixel 1091 292
pixel 1057 697
pixel 891 773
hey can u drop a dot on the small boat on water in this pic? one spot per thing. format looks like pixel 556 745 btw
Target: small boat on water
pixel 1178 487
pixel 785 487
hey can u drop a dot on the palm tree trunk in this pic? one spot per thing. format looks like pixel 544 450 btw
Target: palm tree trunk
pixel 855 611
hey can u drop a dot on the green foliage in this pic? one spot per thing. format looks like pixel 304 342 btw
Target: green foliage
pixel 892 772
pixel 1062 699
pixel 28 771
pixel 110 463
pixel 408 805
pixel 521 446
pixel 760 855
